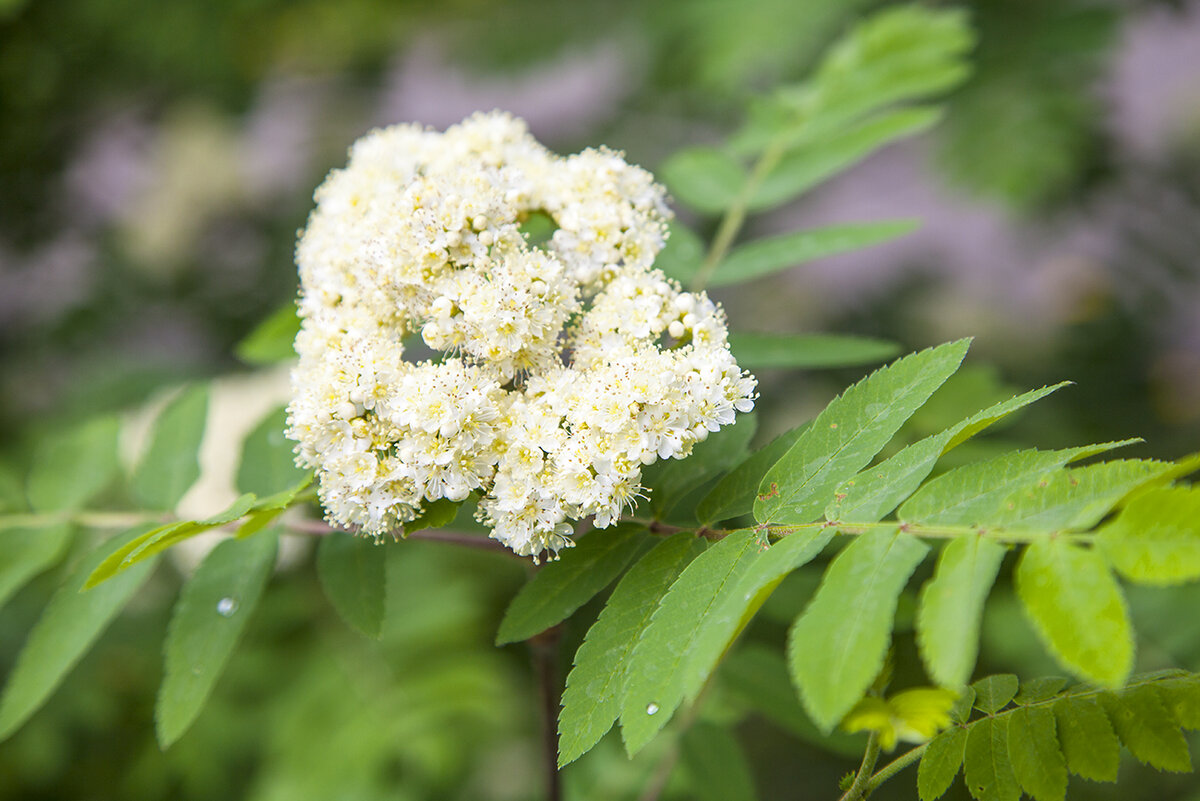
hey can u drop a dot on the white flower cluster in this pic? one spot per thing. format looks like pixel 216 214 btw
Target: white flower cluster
pixel 565 366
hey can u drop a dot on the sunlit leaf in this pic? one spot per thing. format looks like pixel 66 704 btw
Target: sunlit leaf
pixel 849 432
pixel 1078 610
pixel 837 645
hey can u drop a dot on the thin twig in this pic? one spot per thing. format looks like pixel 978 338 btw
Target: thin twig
pixel 860 788
pixel 735 216
pixel 320 528
pixel 543 649
pixel 895 766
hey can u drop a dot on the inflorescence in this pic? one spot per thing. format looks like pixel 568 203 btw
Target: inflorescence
pixel 563 367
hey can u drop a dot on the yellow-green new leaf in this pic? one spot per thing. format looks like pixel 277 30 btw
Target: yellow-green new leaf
pixel 1078 610
pixel 837 645
pixel 1156 538
pixel 951 606
pixel 209 617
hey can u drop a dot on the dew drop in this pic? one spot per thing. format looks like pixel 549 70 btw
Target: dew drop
pixel 651 708
pixel 226 607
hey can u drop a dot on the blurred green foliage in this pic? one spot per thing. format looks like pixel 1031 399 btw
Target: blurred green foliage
pixel 309 709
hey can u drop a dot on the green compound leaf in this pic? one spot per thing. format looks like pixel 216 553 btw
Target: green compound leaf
pixel 704 178
pixel 986 763
pixel 1147 728
pixel 1036 757
pixel 595 686
pixel 1088 741
pixel 561 587
pixel 837 645
pixel 876 491
pixel 1075 498
pixel 716 766
pixel 26 552
pixel 849 432
pixel 171 464
pixel 808 351
pixel 1182 699
pixel 940 763
pixel 159 539
pixel 71 467
pixel 1156 538
pixel 771 255
pixel 71 623
pixel 352 572
pixel 268 465
pixel 1078 610
pixel 971 495
pixel 808 166
pixel 994 692
pixel 273 340
pixel 209 617
pixel 1051 731
pixel 700 615
pixel 1040 689
pixel 951 606
pixel 733 495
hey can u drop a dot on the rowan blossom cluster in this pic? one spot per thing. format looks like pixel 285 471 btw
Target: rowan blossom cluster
pixel 559 369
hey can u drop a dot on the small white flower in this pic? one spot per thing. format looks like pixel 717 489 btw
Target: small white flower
pixel 554 389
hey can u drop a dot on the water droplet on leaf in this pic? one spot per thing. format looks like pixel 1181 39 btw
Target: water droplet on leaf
pixel 227 606
pixel 651 708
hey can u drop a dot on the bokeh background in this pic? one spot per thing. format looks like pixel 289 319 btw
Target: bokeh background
pixel 156 160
